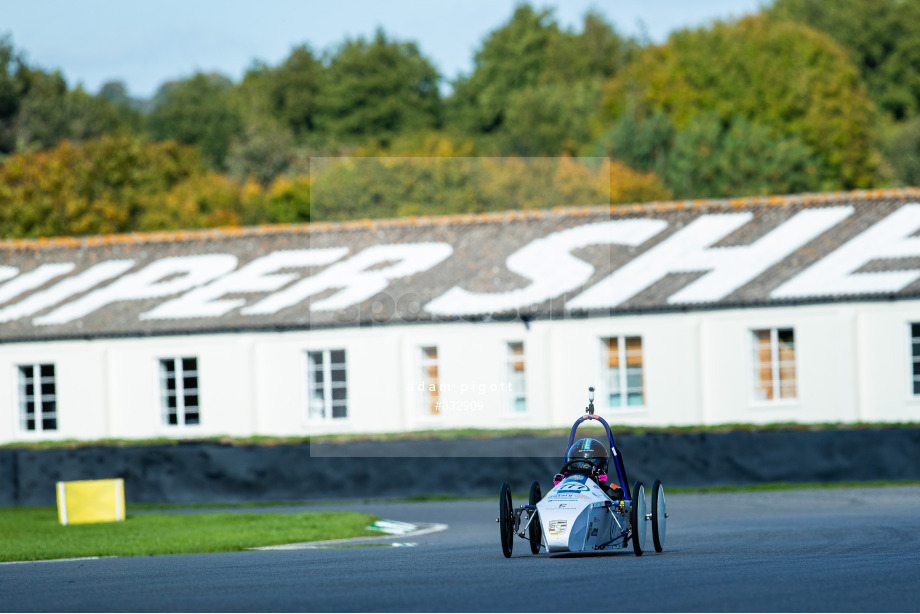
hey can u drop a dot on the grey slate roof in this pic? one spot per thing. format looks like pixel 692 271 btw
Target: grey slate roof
pixel 481 245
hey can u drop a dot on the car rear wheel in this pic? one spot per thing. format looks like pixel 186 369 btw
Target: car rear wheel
pixel 506 519
pixel 637 518
pixel 536 530
pixel 659 516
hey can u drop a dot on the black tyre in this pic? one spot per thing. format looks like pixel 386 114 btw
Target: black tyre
pixel 659 516
pixel 637 518
pixel 506 519
pixel 536 530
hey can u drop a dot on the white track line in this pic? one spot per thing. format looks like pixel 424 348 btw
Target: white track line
pixel 432 528
pixel 79 558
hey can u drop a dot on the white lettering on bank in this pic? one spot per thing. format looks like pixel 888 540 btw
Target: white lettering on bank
pixel 157 280
pixel 728 268
pixel 33 279
pixel 63 290
pixel 260 275
pixel 835 274
pixel 354 280
pixel 550 266
pixel 6 272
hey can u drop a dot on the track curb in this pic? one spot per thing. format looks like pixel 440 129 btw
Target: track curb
pixel 421 528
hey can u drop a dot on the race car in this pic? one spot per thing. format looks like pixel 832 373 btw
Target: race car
pixel 584 512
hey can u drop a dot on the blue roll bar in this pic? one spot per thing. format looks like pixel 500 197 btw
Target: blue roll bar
pixel 617 456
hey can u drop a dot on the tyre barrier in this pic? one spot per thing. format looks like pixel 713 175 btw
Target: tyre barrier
pixel 214 472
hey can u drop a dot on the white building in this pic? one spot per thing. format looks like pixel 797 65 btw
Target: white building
pixel 793 309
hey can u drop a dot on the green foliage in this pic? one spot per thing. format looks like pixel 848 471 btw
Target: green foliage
pixel 643 143
pixel 529 60
pixel 903 152
pixel 50 113
pixel 12 88
pixel 883 38
pixel 263 152
pixel 108 185
pixel 288 201
pixel 294 91
pixel 37 110
pixel 513 57
pixel 393 187
pixel 197 111
pixel 377 89
pixel 709 158
pixel 791 80
pixel 549 118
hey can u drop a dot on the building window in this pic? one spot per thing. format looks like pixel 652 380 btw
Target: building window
pixel 431 401
pixel 517 384
pixel 915 358
pixel 179 391
pixel 327 385
pixel 623 359
pixel 37 398
pixel 774 364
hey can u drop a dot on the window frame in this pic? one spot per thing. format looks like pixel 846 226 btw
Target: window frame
pixel 511 373
pixel 623 375
pixel 912 359
pixel 181 392
pixel 428 399
pixel 776 367
pixel 38 407
pixel 328 385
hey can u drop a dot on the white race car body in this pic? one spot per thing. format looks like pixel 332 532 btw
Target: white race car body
pixel 577 516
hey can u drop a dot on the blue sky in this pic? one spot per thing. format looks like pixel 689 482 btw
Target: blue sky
pixel 147 43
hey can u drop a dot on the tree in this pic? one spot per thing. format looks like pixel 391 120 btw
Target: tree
pixel 903 149
pixel 50 113
pixel 377 89
pixel 643 143
pixel 712 159
pixel 112 184
pixel 531 61
pixel 785 77
pixel 883 38
pixel 356 188
pixel 549 119
pixel 263 153
pixel 294 91
pixel 512 57
pixel 197 111
pixel 12 88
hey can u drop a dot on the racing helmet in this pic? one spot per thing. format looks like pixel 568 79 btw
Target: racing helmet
pixel 593 455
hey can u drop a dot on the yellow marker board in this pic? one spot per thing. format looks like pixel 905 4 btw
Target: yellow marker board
pixel 91 501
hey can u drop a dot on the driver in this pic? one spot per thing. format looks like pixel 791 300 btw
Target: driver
pixel 589 457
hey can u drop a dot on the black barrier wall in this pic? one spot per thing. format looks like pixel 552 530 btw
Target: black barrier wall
pixel 211 472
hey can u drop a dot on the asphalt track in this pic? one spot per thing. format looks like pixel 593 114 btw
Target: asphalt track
pixel 800 550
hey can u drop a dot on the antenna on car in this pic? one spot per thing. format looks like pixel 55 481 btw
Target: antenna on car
pixel 590 407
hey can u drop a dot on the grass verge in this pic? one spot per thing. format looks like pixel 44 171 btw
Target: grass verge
pixel 33 533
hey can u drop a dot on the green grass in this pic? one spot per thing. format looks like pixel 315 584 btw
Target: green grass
pixel 33 533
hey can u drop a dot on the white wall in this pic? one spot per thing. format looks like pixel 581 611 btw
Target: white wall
pixel 81 399
pixel 853 363
pixel 825 365
pixel 884 361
